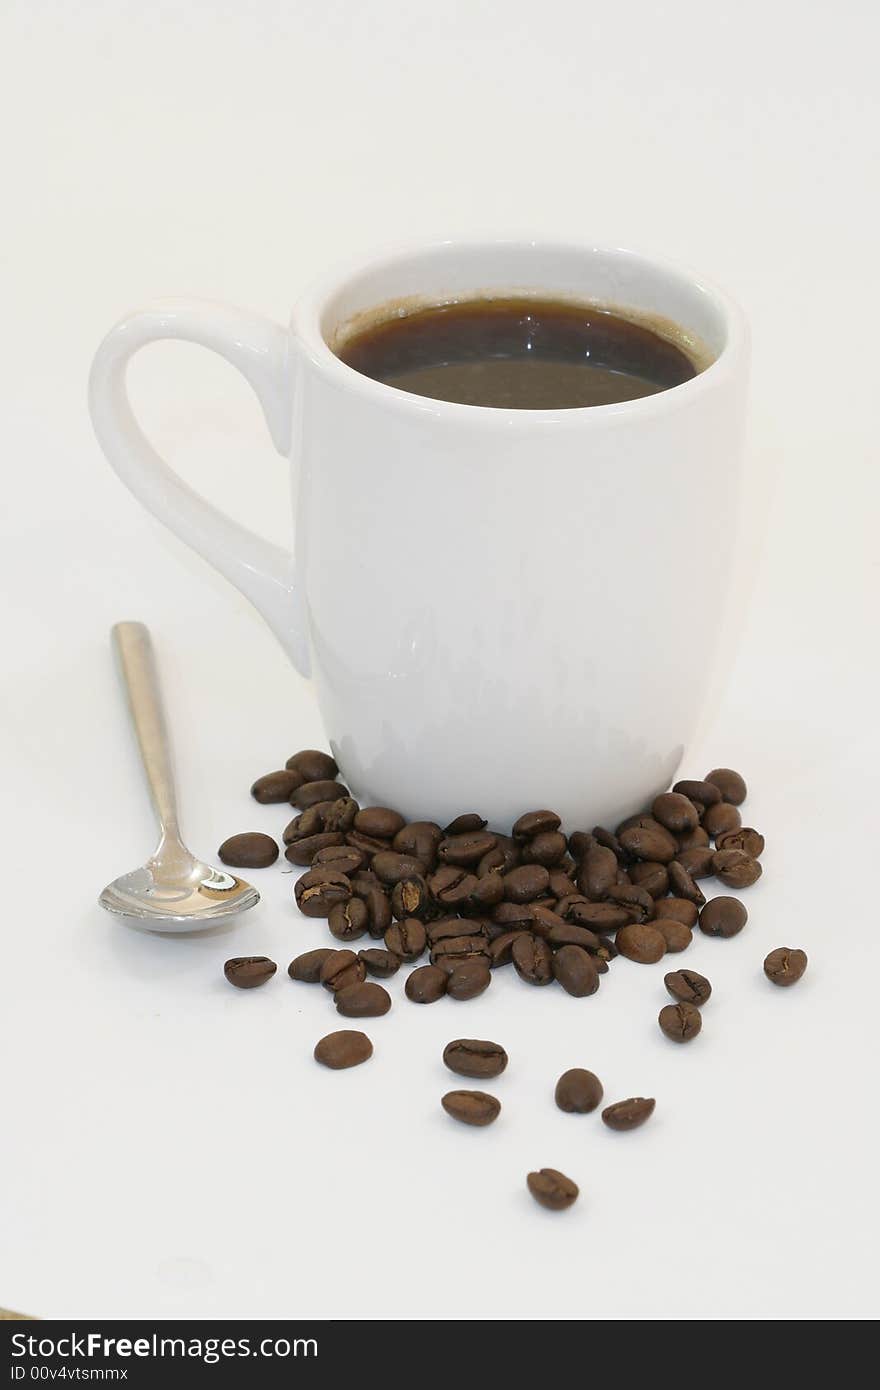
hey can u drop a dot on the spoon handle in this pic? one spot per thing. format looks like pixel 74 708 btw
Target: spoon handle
pixel 134 649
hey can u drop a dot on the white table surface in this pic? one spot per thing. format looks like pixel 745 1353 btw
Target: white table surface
pixel 168 1146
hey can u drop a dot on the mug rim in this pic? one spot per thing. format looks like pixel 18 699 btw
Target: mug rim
pixel 305 323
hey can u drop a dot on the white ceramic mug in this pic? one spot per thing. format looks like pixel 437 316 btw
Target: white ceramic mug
pixel 501 609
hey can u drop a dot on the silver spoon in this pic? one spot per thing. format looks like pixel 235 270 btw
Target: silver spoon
pixel 173 891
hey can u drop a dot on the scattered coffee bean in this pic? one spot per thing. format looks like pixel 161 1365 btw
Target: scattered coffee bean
pixel 687 986
pixel 379 822
pixel 697 862
pixel 680 1022
pixel 552 1189
pixel 275 787
pixel 467 979
pixel 704 792
pixel 598 872
pixel 454 948
pixel 471 1107
pixel 318 891
pixel 692 839
pixel 365 1000
pixel 250 850
pixel 464 824
pixel 341 969
pixel 731 786
pixel 525 884
pixel 378 906
pixel 675 812
pixel 501 949
pixel 548 849
pixel 723 917
pixel 419 839
pixel 366 843
pixel 307 967
pixel 348 921
pixel 347 1048
pixel 311 792
pixel 676 935
pixel 720 818
pixel 745 838
pixel 407 938
pixel 639 904
pixel 785 965
pixel 532 959
pixel 599 916
pixel 535 823
pixel 340 814
pixel 306 850
pixel 628 1114
pixel 578 1091
pixel 382 964
pixel 246 972
pixel 683 885
pixel 679 909
pixel 736 868
pixel 608 840
pixel 411 897
pixel 652 843
pixel 465 850
pixel 452 886
pixel 570 934
pixel 345 858
pixel 654 878
pixel 575 971
pixel 475 1057
pixel 426 984
pixel 391 867
pixel 641 942
pixel 312 765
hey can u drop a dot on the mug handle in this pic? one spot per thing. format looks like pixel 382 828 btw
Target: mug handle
pixel 260 350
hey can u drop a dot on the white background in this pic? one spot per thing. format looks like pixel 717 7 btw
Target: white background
pixel 168 1146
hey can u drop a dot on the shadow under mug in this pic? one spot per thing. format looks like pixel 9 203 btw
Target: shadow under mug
pixel 501 609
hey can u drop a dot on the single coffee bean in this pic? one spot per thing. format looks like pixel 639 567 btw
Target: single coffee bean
pixel 250 850
pixel 525 884
pixel 731 786
pixel 598 916
pixel 506 855
pixel 628 1114
pixel 641 942
pixel 363 880
pixel 317 891
pixel 598 872
pixel 310 822
pixel 735 868
pixel 485 894
pixel 723 917
pixel 680 1022
pixel 452 886
pixel 642 821
pixel 246 972
pixel 342 857
pixel 679 909
pixel 545 921
pixel 532 959
pixel 406 938
pixel 475 1057
pixel 697 838
pixel 501 949
pixel 675 812
pixel 570 934
pixel 468 978
pixel 696 862
pixel 705 792
pixel 276 787
pixel 411 897
pixel 535 823
pixel 307 967
pixel 654 878
pixel 312 765
pixel 560 883
pixel 608 840
pixel 513 916
pixel 547 848
pixel 656 845
pixel 464 824
pixel 348 921
pixel 291 830
pixel 347 1048
pixel 454 948
pixel 379 822
pixel 305 851
pixel 366 843
pixel 676 935
pixel 683 885
pixel 341 969
pixel 606 950
pixel 419 839
pixel 785 965
pixel 471 1107
pixel 578 1091
pixel 426 984
pixel 720 818
pixel 639 904
pixel 442 928
pixel 687 986
pixel 310 792
pixel 579 842
pixel 382 964
pixel 378 906
pixel 340 814
pixel 575 971
pixel 552 1189
pixel 365 1000
pixel 465 850
pixel 745 838
pixel 391 867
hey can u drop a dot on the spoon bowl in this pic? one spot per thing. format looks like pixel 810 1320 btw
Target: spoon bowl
pixel 182 904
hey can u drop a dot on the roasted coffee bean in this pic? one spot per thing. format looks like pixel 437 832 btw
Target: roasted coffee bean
pixel 379 822
pixel 366 843
pixel 348 921
pixel 720 818
pixel 697 838
pixel 246 972
pixel 535 823
pixel 683 885
pixel 578 1091
pixel 705 792
pixel 607 949
pixel 442 928
pixel 465 824
pixel 676 935
pixel 608 840
pixel 545 921
pixel 785 965
pixel 276 787
pixel 471 1107
pixel 654 878
pixel 465 850
pixel 341 969
pixel 411 897
pixel 291 830
pixel 475 1057
pixel 547 848
pixel 378 906
pixel 453 948
pixel 382 964
pixel 310 822
pixel 312 765
pixel 426 984
pixel 525 884
pixel 340 814
pixel 347 1048
pixel 452 886
pixel 486 893
pixel 679 909
pixel 579 842
pixel 250 850
pixel 676 812
pixel 363 880
pixel 419 839
pixel 735 868
pixel 306 850
pixel 570 934
pixel 307 967
pixel 513 916
pixel 642 821
pixel 696 862
pixel 628 1114
pixel 745 838
pixel 638 903
pixel 599 916
pixel 687 986
pixel 311 792
pixel 560 884
pixel 597 873
pixel 552 1189
pixel 407 938
pixel 731 786
pixel 506 855
pixel 342 857
pixel 391 867
pixel 501 949
pixel 468 978
pixel 656 845
pixel 575 971
pixel 723 917
pixel 320 889
pixel 641 942
pixel 532 959
pixel 680 1022
pixel 365 1000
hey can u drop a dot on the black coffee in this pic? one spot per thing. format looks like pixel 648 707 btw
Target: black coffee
pixel 519 353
